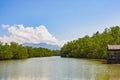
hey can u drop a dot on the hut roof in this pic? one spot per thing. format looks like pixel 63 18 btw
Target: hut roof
pixel 113 47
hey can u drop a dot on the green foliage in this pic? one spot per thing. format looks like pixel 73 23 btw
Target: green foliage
pixel 16 51
pixel 56 52
pixel 5 52
pixel 94 46
pixel 21 53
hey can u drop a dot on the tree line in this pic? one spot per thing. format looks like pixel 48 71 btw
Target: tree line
pixel 16 51
pixel 94 46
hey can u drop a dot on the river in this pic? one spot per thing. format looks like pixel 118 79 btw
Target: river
pixel 57 68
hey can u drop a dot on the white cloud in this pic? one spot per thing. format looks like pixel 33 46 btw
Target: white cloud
pixel 22 34
pixel 5 26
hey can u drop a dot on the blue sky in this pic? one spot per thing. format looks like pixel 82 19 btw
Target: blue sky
pixel 64 19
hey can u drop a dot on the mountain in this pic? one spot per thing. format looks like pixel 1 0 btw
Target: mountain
pixel 43 45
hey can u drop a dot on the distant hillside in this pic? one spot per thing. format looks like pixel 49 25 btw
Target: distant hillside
pixel 43 45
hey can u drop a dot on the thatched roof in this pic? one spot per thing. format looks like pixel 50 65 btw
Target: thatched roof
pixel 113 47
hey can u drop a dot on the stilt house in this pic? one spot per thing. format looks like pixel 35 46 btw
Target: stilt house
pixel 113 54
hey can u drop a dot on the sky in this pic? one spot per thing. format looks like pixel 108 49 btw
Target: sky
pixel 55 21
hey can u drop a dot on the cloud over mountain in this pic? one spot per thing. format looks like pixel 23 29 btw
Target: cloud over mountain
pixel 22 34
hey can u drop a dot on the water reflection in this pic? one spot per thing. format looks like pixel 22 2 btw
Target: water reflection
pixel 56 68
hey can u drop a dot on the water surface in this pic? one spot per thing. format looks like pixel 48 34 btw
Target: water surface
pixel 57 68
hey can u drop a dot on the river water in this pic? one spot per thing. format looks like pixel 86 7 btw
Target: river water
pixel 57 68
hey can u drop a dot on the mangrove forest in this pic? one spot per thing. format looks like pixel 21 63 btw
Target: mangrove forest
pixel 16 51
pixel 94 46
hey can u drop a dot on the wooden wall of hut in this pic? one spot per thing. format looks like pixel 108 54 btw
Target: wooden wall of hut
pixel 113 57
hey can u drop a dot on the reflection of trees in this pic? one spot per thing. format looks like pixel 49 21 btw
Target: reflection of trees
pixel 108 72
pixel 102 76
pixel 114 71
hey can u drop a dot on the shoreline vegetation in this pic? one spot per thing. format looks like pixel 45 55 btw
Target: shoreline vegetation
pixel 94 47
pixel 16 51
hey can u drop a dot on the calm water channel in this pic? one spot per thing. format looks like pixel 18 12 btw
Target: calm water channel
pixel 57 68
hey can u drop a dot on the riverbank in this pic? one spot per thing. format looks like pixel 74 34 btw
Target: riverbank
pixel 16 51
pixel 95 46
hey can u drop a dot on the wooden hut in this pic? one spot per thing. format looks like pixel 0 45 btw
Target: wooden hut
pixel 113 54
